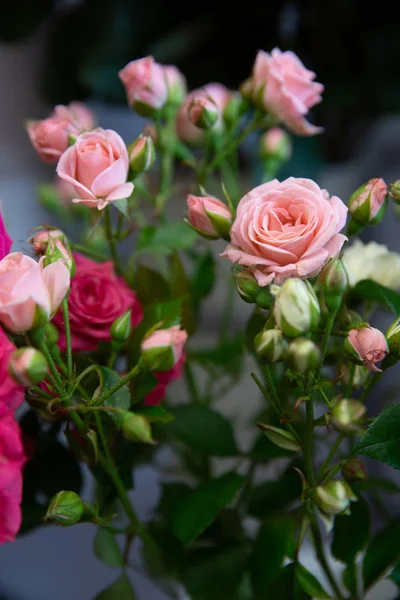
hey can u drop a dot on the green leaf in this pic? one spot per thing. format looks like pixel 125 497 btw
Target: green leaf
pixel 372 291
pixel 172 493
pixel 120 589
pixel 286 586
pixel 264 450
pixel 157 413
pixel 203 278
pixel 203 430
pixel 349 579
pixel 121 398
pixel 309 583
pixel 150 286
pixel 106 549
pixel 382 553
pixel 227 357
pixel 122 206
pixel 165 239
pixel 275 495
pixel 201 507
pixel 382 438
pixel 272 544
pixel 395 575
pixel 180 289
pixel 169 313
pixel 351 532
pixel 377 483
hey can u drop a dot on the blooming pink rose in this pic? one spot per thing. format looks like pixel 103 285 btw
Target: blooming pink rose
pixel 209 216
pixel 145 84
pixel 97 297
pixel 218 94
pixel 97 166
pixel 282 86
pixel 30 293
pixel 369 345
pixel 5 240
pixel 11 394
pixel 286 229
pixel 367 200
pixel 11 463
pixel 155 397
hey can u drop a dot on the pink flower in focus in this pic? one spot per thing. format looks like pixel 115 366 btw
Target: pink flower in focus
pixel 286 229
pixel 11 462
pixel 155 397
pixel 145 84
pixel 209 216
pixel 97 166
pixel 97 297
pixel 282 86
pixel 5 240
pixel 370 346
pixel 11 394
pixel 30 293
pixel 367 200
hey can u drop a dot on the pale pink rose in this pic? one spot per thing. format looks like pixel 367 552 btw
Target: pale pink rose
pixel 286 229
pixel 370 345
pixel 209 216
pixel 365 203
pixel 145 84
pixel 202 111
pixel 64 190
pixel 11 394
pixel 185 129
pixel 176 83
pixel 11 462
pixel 173 337
pixel 282 86
pixel 97 166
pixel 82 115
pixel 30 293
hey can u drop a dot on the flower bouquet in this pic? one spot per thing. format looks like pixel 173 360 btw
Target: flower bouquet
pixel 107 309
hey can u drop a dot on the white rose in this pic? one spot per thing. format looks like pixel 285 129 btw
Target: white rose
pixel 372 261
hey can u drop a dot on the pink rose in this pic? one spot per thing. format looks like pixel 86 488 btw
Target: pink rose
pixel 30 293
pixel 368 345
pixel 218 94
pixel 11 462
pixel 97 166
pixel 79 114
pixel 286 229
pixel 5 240
pixel 209 216
pixel 145 85
pixel 276 144
pixel 97 297
pixel 282 86
pixel 176 83
pixel 11 394
pixel 367 200
pixel 155 397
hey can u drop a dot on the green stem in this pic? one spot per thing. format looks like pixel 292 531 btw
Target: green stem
pixel 319 549
pixel 325 341
pixel 52 366
pixel 67 327
pixel 111 240
pixel 168 135
pixel 110 392
pixel 191 384
pixel 331 474
pixel 308 442
pixel 349 388
pixel 334 448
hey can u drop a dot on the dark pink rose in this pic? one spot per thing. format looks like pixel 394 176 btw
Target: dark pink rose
pixel 5 240
pixel 11 394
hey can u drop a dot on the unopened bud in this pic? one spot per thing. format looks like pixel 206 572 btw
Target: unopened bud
pixel 53 245
pixel 246 285
pixel 264 298
pixel 270 345
pixel 334 497
pixel 41 240
pixel 367 346
pixel 303 356
pixel 176 84
pixel 203 111
pixel 163 348
pixel 348 415
pixel 141 154
pixel 209 216
pixel 276 144
pixel 280 437
pixel 136 428
pixel 353 470
pixel 65 508
pixel 121 329
pixel 333 282
pixel 359 378
pixel 367 204
pixel 27 366
pixel 394 191
pixel 296 309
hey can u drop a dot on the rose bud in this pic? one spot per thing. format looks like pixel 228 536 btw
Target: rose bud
pixel 333 283
pixel 121 329
pixel 65 508
pixel 203 111
pixel 367 204
pixel 296 309
pixel 246 285
pixel 209 216
pixel 303 356
pixel 348 415
pixel 270 345
pixel 276 144
pixel 280 437
pixel 176 84
pixel 367 346
pixel 141 154
pixel 264 298
pixel 163 348
pixel 334 497
pixel 59 250
pixel 50 137
pixel 354 470
pixel 145 85
pixel 136 428
pixel 394 191
pixel 360 377
pixel 27 366
pixel 41 239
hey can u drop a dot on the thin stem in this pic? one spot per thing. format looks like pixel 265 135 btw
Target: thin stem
pixel 325 341
pixel 308 442
pixel 110 392
pixel 191 384
pixel 319 549
pixel 52 366
pixel 111 240
pixel 334 448
pixel 67 327
pixel 168 135
pixel 349 387
pixel 331 474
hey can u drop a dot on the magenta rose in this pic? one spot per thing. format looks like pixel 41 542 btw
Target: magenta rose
pixel 5 240
pixel 286 229
pixel 11 462
pixel 97 297
pixel 11 394
pixel 282 86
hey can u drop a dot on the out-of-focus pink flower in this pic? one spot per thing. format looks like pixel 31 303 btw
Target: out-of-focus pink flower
pixel 276 143
pixel 5 240
pixel 11 394
pixel 145 85
pixel 176 83
pixel 369 345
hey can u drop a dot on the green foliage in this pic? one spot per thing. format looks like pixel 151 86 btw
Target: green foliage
pixel 225 358
pixel 254 325
pixel 120 589
pixel 351 532
pixel 382 439
pixel 309 583
pixel 120 399
pixel 156 413
pixel 203 279
pixel 382 553
pixel 374 292
pixel 276 495
pixel 286 586
pixel 180 289
pixel 264 450
pixel 106 549
pixel 165 239
pixel 150 286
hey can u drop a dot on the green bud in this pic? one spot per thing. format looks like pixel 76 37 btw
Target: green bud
pixel 246 285
pixel 280 437
pixel 303 356
pixel 270 345
pixel 393 338
pixel 141 154
pixel 233 109
pixel 354 470
pixel 136 428
pixel 121 329
pixel 394 191
pixel 27 366
pixel 264 298
pixel 65 508
pixel 334 497
pixel 348 415
pixel 333 282
pixel 296 309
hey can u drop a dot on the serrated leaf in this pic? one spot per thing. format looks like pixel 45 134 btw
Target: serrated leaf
pixel 372 291
pixel 203 430
pixel 121 589
pixel 382 553
pixel 382 438
pixel 351 532
pixel 309 583
pixel 120 399
pixel 150 286
pixel 157 413
pixel 201 507
pixel 106 549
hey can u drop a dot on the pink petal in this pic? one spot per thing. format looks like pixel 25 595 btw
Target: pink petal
pixel 56 277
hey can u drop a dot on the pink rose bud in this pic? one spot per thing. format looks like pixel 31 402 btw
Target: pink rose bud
pixel 145 85
pixel 276 144
pixel 210 217
pixel 163 348
pixel 30 293
pixel 27 366
pixel 141 154
pixel 41 239
pixel 367 346
pixel 50 137
pixel 59 250
pixel 176 84
pixel 367 204
pixel 81 114
pixel 202 111
pixel 97 166
pixel 5 240
pixel 282 86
